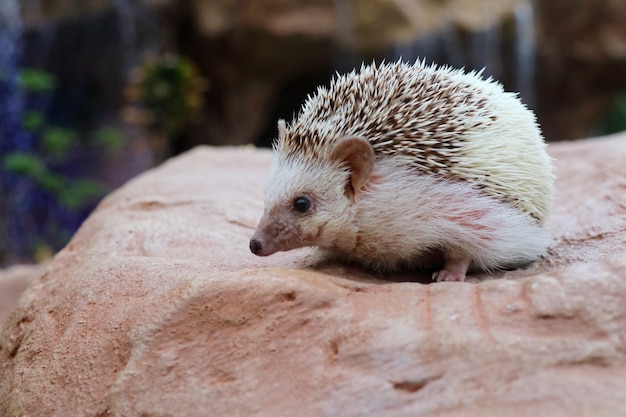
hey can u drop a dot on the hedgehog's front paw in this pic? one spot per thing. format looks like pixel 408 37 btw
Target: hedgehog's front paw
pixel 445 275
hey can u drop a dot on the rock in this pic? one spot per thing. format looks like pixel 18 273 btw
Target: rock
pixel 567 61
pixel 362 25
pixel 383 23
pixel 13 281
pixel 263 58
pixel 580 62
pixel 156 307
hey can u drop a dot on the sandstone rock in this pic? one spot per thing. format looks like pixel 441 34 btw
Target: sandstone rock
pixel 581 54
pixel 157 308
pixel 13 281
pixel 372 23
pixel 264 57
pixel 383 23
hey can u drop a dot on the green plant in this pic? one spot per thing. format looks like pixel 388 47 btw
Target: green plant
pixel 615 119
pixel 56 145
pixel 36 81
pixel 46 192
pixel 170 90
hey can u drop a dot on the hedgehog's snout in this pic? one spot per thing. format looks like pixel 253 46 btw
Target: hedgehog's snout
pixel 255 246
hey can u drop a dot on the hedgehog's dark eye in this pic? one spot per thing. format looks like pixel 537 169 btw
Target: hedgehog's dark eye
pixel 301 204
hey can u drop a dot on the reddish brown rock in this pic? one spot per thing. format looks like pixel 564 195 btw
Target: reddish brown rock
pixel 157 308
pixel 13 281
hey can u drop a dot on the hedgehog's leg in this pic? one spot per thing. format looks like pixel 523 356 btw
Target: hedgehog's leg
pixel 454 269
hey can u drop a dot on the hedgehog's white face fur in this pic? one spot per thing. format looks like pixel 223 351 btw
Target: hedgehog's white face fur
pixel 312 203
pixel 396 162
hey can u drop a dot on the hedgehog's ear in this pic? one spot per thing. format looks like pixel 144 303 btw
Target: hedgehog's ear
pixel 282 129
pixel 358 154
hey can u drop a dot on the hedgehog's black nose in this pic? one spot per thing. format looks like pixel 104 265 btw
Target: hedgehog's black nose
pixel 255 246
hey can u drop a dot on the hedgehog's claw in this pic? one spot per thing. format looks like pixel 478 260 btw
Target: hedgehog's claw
pixel 454 270
pixel 445 275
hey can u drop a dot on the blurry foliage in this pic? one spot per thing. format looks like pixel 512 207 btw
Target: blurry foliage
pixel 70 193
pixel 35 81
pixel 615 120
pixel 43 174
pixel 109 137
pixel 166 94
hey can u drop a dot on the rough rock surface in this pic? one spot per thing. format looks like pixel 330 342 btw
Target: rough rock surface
pixel 13 281
pixel 157 308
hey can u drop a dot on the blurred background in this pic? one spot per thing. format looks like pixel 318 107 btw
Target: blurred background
pixel 93 92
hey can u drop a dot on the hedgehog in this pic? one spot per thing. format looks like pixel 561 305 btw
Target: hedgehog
pixel 419 167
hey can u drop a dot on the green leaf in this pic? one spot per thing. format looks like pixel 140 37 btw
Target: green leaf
pixel 80 192
pixel 33 120
pixel 52 182
pixel 57 142
pixel 615 119
pixel 23 163
pixel 36 81
pixel 109 137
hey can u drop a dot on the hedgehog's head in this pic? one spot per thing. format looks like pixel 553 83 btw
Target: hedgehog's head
pixel 311 202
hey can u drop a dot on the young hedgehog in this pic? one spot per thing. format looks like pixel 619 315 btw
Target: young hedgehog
pixel 402 166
